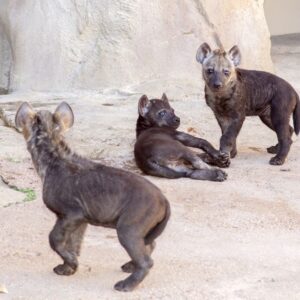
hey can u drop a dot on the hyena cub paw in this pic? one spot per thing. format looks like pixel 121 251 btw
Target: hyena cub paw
pixel 276 161
pixel 223 160
pixel 220 175
pixel 272 149
pixel 128 267
pixel 64 270
pixel 124 286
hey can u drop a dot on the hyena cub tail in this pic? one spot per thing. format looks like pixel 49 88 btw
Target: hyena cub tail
pixel 159 228
pixel 296 116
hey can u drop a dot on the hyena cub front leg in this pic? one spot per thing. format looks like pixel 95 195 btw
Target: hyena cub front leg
pixel 75 240
pixel 230 130
pixel 202 170
pixel 65 239
pixel 223 160
pixel 211 155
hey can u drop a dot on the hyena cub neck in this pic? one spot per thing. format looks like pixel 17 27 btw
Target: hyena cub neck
pixel 155 113
pixel 43 134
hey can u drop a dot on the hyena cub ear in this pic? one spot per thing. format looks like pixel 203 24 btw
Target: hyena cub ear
pixel 143 106
pixel 235 55
pixel 165 98
pixel 24 114
pixel 202 53
pixel 64 116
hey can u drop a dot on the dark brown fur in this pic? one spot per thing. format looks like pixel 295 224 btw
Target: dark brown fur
pixel 161 150
pixel 234 93
pixel 80 192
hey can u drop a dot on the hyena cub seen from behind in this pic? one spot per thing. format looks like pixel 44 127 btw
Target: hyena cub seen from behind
pixel 233 93
pixel 161 150
pixel 80 192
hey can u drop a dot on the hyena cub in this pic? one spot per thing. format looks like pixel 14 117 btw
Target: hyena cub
pixel 233 93
pixel 80 192
pixel 161 150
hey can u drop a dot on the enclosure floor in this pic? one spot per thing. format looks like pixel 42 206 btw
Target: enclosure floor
pixel 239 239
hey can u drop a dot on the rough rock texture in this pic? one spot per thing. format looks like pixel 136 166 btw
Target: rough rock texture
pixel 5 61
pixel 67 44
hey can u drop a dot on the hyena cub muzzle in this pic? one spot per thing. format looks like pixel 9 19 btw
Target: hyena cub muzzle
pixel 233 93
pixel 161 150
pixel 80 192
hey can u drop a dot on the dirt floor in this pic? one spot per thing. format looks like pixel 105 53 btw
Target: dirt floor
pixel 239 239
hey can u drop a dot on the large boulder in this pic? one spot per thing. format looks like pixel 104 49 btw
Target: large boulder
pixel 63 45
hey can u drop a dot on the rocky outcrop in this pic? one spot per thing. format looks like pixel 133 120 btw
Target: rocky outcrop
pixel 64 45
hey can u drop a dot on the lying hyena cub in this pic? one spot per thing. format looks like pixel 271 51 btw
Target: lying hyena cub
pixel 161 150
pixel 80 192
pixel 234 93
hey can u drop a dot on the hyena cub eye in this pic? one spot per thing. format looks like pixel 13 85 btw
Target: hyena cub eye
pixel 210 70
pixel 226 72
pixel 162 113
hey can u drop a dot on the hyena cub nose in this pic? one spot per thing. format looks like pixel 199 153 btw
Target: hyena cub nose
pixel 217 85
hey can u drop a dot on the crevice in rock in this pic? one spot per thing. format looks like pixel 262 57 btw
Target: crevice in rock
pixel 5 62
pixel 211 25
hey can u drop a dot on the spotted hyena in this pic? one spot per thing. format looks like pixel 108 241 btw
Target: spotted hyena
pixel 233 93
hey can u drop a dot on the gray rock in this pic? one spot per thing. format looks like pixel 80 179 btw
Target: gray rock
pixel 68 45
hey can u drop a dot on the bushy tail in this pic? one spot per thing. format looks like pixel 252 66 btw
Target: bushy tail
pixel 296 116
pixel 159 228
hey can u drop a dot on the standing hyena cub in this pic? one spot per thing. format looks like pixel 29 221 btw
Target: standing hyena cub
pixel 233 93
pixel 161 150
pixel 80 192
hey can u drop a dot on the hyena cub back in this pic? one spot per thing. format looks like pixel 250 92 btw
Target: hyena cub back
pixel 234 93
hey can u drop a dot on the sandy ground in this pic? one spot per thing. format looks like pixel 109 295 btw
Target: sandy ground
pixel 239 239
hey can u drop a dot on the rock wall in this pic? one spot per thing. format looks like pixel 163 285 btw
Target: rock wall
pixel 5 62
pixel 62 45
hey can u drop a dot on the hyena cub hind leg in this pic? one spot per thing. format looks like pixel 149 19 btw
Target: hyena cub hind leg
pixel 202 170
pixel 281 125
pixel 130 267
pixel 274 149
pixel 160 170
pixel 135 246
pixel 266 119
pixel 211 174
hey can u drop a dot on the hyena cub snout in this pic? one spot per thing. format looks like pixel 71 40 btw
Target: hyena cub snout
pixel 158 112
pixel 218 67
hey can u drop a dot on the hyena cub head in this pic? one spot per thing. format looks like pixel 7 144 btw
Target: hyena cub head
pixel 43 123
pixel 158 112
pixel 218 66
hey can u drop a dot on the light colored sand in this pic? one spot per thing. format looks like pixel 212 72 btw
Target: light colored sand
pixel 234 240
